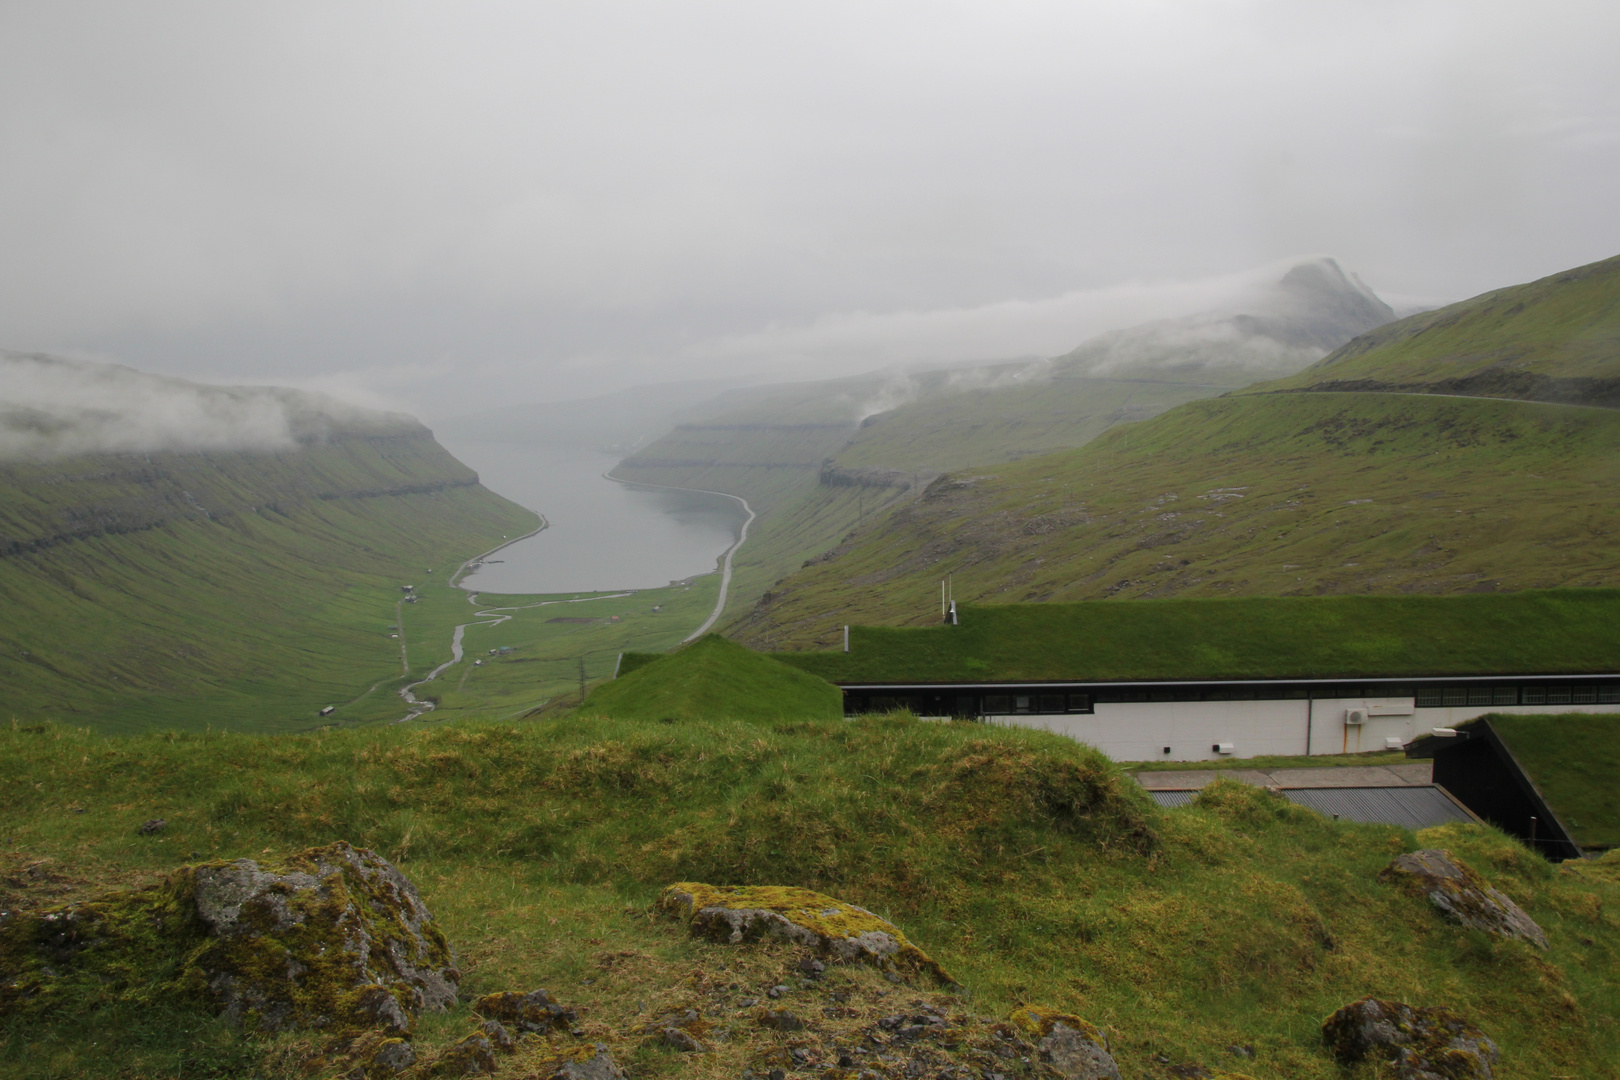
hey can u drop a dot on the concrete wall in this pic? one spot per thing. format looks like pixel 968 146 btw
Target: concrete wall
pixel 1139 731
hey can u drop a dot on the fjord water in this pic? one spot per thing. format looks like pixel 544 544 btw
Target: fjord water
pixel 601 535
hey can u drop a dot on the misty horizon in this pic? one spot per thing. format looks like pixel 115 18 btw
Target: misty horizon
pixel 433 210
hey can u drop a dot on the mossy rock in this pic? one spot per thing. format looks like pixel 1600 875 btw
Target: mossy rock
pixel 333 938
pixel 534 1011
pixel 1461 894
pixel 743 913
pixel 1072 1047
pixel 587 1062
pixel 1420 1043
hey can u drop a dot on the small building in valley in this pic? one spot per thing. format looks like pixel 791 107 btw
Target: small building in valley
pixel 1187 680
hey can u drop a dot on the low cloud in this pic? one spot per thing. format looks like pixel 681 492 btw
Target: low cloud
pixel 52 407
pixel 848 342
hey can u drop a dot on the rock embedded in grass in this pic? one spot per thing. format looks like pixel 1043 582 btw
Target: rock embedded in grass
pixel 592 1062
pixel 333 939
pixel 1419 1043
pixel 534 1011
pixel 1463 895
pixel 735 914
pixel 1074 1048
pixel 334 936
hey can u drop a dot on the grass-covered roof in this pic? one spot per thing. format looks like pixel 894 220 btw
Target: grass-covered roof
pixel 1574 761
pixel 1565 631
pixel 713 679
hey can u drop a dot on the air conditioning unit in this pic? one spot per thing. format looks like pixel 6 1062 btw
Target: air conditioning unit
pixel 1224 748
pixel 1355 716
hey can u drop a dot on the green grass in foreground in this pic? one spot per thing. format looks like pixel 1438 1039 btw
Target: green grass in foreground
pixel 1574 760
pixel 1024 862
pixel 715 678
pixel 1558 631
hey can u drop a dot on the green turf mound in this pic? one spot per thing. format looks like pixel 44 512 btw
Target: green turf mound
pixel 716 679
pixel 1562 630
pixel 1573 760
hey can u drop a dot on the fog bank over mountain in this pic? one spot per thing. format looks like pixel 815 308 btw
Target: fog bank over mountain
pixel 54 407
pixel 1283 324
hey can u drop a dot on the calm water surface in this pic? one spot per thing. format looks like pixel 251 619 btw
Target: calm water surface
pixel 603 535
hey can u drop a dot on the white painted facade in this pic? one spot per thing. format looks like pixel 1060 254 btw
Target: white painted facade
pixel 1196 730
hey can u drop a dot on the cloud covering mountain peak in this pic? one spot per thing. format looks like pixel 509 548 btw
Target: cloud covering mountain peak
pixel 1287 319
pixel 53 407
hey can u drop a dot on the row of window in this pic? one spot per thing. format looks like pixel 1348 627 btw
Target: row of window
pixel 1442 696
pixel 1037 703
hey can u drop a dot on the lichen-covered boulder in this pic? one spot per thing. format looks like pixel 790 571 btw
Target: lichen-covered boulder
pixel 735 914
pixel 1419 1043
pixel 1071 1046
pixel 577 1063
pixel 534 1011
pixel 376 1055
pixel 333 935
pixel 472 1055
pixel 1461 894
pixel 333 938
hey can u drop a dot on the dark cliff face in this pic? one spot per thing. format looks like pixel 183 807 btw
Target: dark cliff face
pixel 43 504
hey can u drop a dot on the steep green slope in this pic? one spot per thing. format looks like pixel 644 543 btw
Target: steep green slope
pixel 1556 339
pixel 1406 478
pixel 234 588
pixel 1298 494
pixel 811 473
pixel 1565 631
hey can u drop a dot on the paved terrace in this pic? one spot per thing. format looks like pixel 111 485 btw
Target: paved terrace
pixel 1406 774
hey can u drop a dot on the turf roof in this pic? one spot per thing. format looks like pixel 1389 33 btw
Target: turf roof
pixel 713 679
pixel 1574 761
pixel 1563 631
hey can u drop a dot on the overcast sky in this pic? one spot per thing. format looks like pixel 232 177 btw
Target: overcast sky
pixel 440 205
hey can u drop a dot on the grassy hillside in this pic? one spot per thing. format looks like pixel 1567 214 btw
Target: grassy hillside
pixel 1556 339
pixel 1260 495
pixel 234 589
pixel 714 679
pixel 812 473
pixel 1384 486
pixel 1022 861
pixel 1568 631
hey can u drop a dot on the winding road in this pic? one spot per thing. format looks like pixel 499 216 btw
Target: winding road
pixel 494 616
pixel 725 560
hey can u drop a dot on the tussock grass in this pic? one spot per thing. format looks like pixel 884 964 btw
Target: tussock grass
pixel 1028 865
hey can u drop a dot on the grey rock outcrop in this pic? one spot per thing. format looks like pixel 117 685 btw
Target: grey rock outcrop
pixel 335 936
pixel 1418 1043
pixel 1462 895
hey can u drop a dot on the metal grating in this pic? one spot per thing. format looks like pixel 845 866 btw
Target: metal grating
pixel 1416 807
pixel 1411 807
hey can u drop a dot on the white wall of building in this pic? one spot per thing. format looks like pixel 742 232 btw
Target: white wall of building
pixel 1139 731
